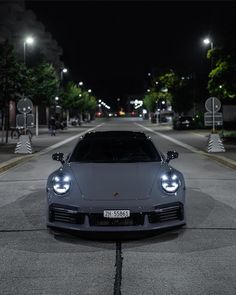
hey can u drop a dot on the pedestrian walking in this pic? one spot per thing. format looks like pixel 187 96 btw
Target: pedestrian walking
pixel 52 126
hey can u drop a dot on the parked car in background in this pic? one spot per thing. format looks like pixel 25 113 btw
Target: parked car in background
pixel 183 122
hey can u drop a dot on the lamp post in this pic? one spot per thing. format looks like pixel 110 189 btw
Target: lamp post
pixel 208 41
pixel 63 71
pixel 28 41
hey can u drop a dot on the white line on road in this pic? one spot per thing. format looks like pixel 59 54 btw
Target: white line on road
pixel 223 160
pixel 184 145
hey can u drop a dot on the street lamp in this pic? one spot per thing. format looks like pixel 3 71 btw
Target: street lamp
pixel 89 91
pixel 208 41
pixel 63 71
pixel 81 83
pixel 28 41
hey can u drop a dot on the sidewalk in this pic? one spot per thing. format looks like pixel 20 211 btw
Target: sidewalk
pixel 198 139
pixel 8 158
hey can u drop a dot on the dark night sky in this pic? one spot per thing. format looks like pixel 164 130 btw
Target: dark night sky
pixel 111 46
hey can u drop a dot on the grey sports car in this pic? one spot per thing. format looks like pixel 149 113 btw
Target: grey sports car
pixel 115 181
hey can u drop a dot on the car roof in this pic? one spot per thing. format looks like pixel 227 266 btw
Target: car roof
pixel 115 134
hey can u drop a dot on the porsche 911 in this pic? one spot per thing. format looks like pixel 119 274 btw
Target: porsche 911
pixel 115 181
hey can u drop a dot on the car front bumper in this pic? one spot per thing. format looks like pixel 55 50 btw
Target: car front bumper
pixel 73 218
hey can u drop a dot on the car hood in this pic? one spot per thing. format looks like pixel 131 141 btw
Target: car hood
pixel 115 181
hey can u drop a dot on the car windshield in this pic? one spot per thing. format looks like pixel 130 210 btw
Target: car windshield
pixel 115 150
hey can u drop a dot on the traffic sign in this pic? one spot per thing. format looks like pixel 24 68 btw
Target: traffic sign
pixel 25 105
pixel 208 119
pixel 212 104
pixel 21 121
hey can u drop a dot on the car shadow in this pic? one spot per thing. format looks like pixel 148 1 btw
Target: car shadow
pixel 209 224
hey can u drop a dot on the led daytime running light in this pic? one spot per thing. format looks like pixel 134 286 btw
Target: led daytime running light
pixel 61 184
pixel 170 183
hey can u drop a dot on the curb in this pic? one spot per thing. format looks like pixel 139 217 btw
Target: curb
pixel 14 162
pixel 221 159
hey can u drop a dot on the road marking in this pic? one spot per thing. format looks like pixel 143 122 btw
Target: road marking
pixel 184 145
pixel 221 159
pixel 118 267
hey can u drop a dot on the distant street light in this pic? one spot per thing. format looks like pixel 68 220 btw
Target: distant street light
pixel 148 90
pixel 63 71
pixel 89 91
pixel 81 83
pixel 28 41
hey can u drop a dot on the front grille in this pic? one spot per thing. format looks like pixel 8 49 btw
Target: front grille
pixel 170 213
pixel 65 214
pixel 99 220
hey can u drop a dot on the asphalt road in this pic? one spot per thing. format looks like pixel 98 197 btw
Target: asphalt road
pixel 197 259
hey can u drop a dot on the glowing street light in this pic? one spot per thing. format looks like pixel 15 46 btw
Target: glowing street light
pixel 208 41
pixel 63 71
pixel 81 83
pixel 89 91
pixel 28 41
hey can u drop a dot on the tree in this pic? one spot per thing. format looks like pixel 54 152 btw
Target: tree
pixel 176 90
pixel 78 100
pixel 150 101
pixel 89 104
pixel 43 84
pixel 222 78
pixel 10 77
pixel 72 97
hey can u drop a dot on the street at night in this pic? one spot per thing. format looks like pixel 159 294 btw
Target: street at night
pixel 196 259
pixel 117 147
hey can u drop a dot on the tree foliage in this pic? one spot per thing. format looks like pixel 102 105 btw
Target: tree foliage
pixel 76 98
pixel 171 88
pixel 10 73
pixel 222 78
pixel 42 84
pixel 150 101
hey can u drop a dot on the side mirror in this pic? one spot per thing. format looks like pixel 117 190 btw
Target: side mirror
pixel 171 155
pixel 58 157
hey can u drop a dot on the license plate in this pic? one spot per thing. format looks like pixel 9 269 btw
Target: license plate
pixel 116 213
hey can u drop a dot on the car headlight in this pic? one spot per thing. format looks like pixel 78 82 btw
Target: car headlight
pixel 170 183
pixel 61 184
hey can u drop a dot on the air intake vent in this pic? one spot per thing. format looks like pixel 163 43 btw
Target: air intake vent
pixel 162 214
pixel 65 214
